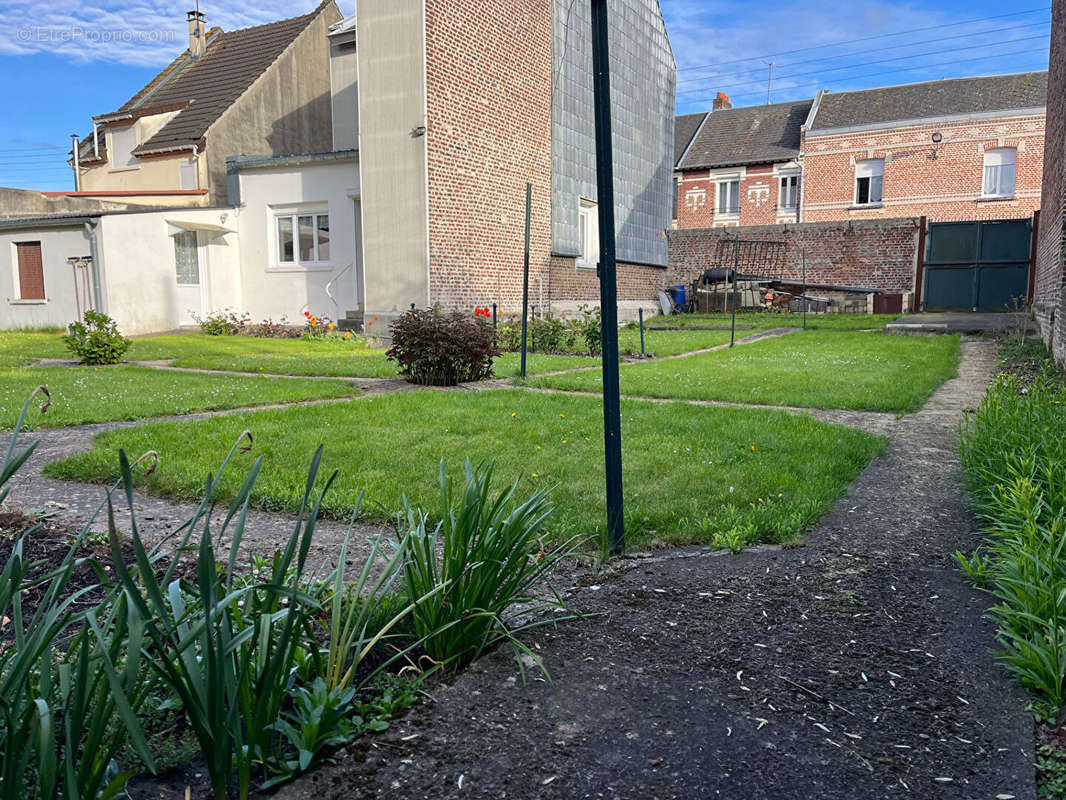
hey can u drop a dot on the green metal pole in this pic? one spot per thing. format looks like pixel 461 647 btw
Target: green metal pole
pixel 525 276
pixel 612 410
pixel 736 262
pixel 803 256
pixel 640 313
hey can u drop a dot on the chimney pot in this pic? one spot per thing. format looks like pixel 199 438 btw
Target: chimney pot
pixel 197 33
pixel 722 102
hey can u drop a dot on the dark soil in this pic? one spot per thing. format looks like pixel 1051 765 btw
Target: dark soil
pixel 855 667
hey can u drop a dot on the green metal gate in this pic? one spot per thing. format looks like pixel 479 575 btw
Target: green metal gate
pixel 977 266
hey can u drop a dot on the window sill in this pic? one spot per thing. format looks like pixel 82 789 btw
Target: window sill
pixel 12 301
pixel 996 198
pixel 865 206
pixel 585 264
pixel 122 169
pixel 300 268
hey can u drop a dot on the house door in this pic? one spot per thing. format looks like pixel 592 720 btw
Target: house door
pixel 977 266
pixel 190 290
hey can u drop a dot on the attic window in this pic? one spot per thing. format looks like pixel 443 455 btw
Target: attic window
pixel 123 142
pixel 869 182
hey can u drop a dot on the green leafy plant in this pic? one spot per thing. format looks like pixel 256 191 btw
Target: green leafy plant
pixel 487 555
pixel 976 567
pixel 226 322
pixel 71 678
pixel 439 348
pixel 1051 772
pixel 319 719
pixel 590 327
pixel 96 339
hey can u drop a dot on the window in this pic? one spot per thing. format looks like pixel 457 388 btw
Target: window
pixel 1000 171
pixel 31 271
pixel 186 259
pixel 303 238
pixel 674 201
pixel 869 182
pixel 189 178
pixel 729 197
pixel 788 196
pixel 588 234
pixel 123 141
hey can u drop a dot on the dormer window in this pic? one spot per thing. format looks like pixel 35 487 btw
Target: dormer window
pixel 123 143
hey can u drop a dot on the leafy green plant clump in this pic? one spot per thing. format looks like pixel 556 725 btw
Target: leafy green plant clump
pixel 96 340
pixel 1014 455
pixel 438 348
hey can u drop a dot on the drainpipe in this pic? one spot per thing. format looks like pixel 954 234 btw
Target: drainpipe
pixel 96 141
pixel 75 147
pixel 196 159
pixel 94 252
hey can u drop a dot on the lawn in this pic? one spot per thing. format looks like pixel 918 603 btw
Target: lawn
pixel 82 395
pixel 762 321
pixel 690 472
pixel 816 369
pixel 19 348
pixel 334 357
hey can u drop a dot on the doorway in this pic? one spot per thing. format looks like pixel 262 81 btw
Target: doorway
pixel 189 293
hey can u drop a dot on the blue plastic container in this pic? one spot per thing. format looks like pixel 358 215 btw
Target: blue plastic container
pixel 679 295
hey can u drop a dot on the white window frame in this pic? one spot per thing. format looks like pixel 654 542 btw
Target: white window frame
pixel 185 236
pixel 734 209
pixel 293 214
pixel 783 181
pixel 123 143
pixel 870 168
pixel 588 234
pixel 997 159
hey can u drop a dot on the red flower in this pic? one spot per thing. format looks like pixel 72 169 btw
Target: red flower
pixel 307 313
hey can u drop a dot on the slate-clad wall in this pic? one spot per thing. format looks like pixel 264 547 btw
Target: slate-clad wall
pixel 643 78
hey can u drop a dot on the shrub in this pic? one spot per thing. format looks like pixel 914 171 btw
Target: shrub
pixel 439 348
pixel 96 340
pixel 549 335
pixel 590 328
pixel 486 556
pixel 271 329
pixel 226 322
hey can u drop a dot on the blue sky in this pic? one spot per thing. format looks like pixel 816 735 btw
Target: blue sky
pixel 64 61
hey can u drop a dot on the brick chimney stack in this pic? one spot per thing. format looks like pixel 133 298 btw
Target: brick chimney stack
pixel 197 33
pixel 721 102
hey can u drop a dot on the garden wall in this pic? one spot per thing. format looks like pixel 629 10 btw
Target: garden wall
pixel 877 254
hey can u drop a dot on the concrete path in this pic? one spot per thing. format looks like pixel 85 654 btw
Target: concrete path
pixel 959 322
pixel 855 667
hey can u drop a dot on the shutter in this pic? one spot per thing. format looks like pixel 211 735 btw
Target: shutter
pixel 31 271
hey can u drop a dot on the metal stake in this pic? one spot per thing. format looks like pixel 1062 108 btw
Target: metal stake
pixel 612 410
pixel 525 277
pixel 494 316
pixel 640 313
pixel 736 263
pixel 803 257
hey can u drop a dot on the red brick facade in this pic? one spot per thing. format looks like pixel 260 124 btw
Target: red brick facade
pixel 760 197
pixel 942 182
pixel 488 80
pixel 1049 281
pixel 875 254
pixel 636 282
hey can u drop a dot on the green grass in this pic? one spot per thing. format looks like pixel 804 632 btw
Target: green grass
pixel 82 395
pixel 762 321
pixel 332 357
pixel 19 348
pixel 671 343
pixel 690 472
pixel 816 369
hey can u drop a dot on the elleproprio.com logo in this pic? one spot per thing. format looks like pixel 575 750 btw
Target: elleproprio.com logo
pixel 75 33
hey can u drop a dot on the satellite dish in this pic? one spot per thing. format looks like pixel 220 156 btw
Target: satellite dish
pixel 666 304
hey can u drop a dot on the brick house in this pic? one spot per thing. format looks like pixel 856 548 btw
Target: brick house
pixel 259 90
pixel 739 166
pixel 958 149
pixel 1049 279
pixel 948 150
pixel 461 105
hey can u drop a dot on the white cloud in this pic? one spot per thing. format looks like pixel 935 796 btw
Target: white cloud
pixel 144 33
pixel 739 37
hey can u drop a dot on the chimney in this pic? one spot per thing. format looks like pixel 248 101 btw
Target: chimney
pixel 721 102
pixel 197 33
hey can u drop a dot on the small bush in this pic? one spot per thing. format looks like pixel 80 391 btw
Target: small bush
pixel 96 340
pixel 439 348
pixel 271 329
pixel 226 322
pixel 590 327
pixel 484 557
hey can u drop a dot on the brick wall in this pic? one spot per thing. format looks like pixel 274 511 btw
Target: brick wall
pixel 945 188
pixel 878 254
pixel 636 282
pixel 697 198
pixel 1048 287
pixel 488 80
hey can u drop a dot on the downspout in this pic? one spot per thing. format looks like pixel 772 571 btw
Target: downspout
pixel 196 160
pixel 96 141
pixel 98 296
pixel 75 147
